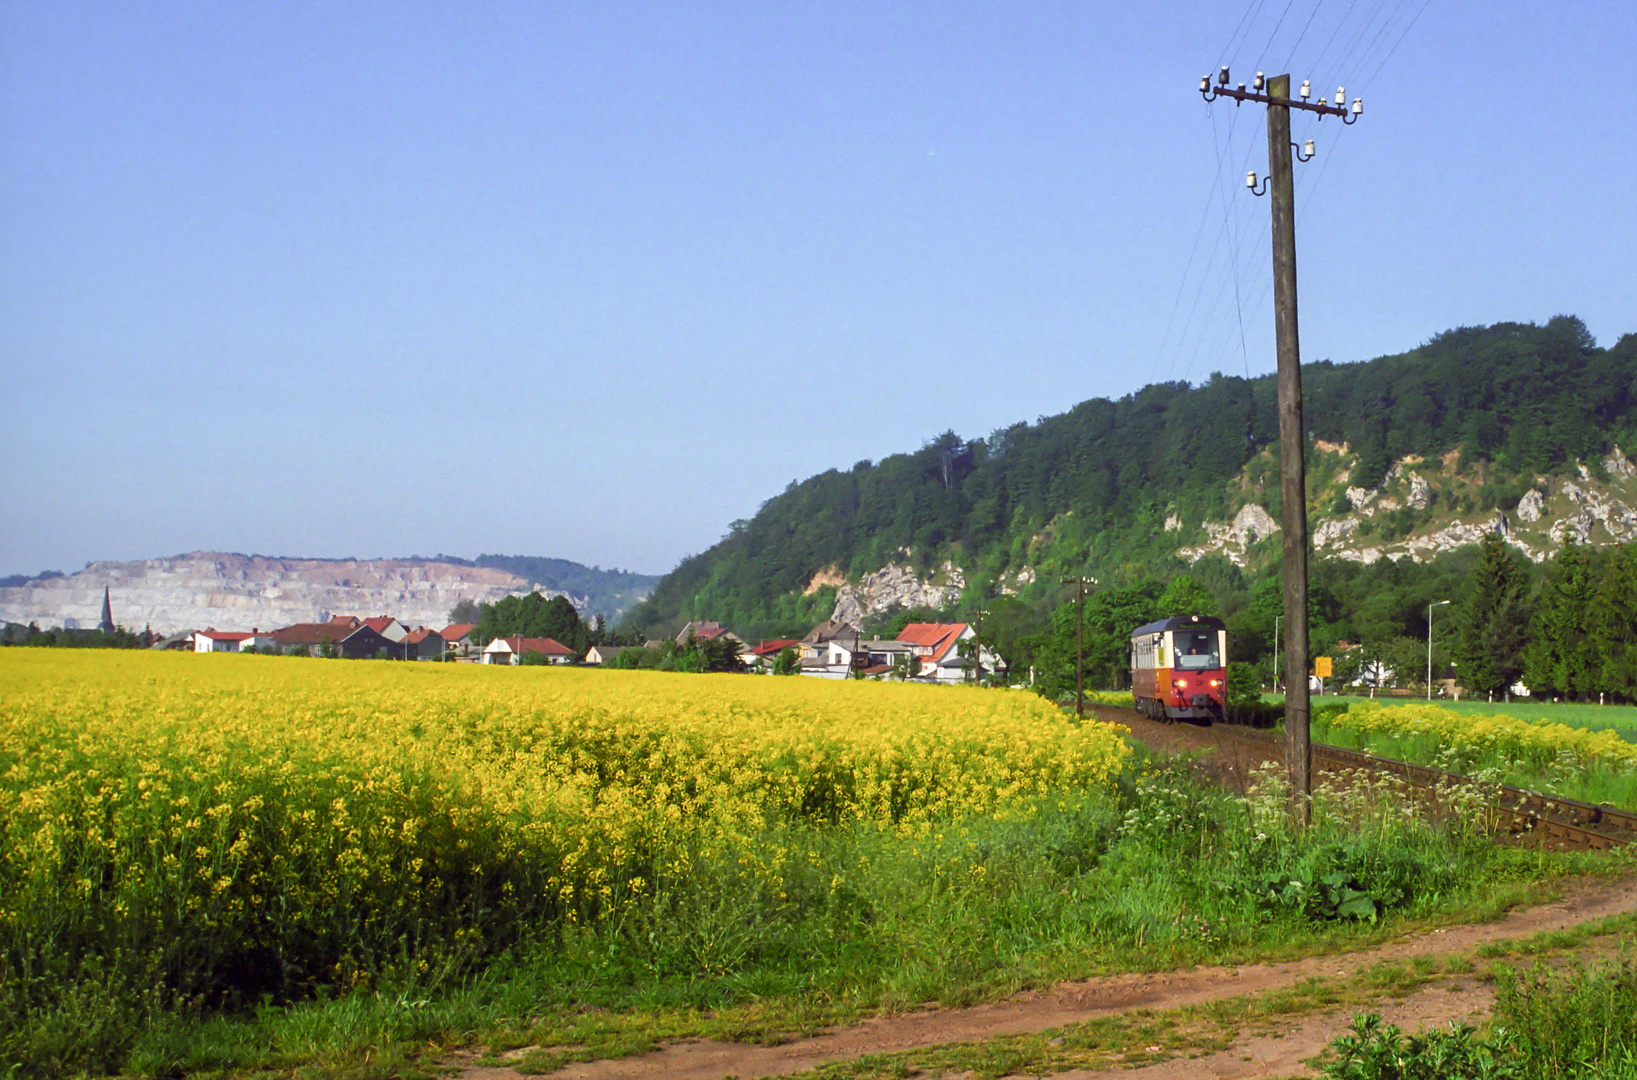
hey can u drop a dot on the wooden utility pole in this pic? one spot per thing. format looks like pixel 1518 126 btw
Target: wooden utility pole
pixel 1292 446
pixel 1079 584
pixel 1292 441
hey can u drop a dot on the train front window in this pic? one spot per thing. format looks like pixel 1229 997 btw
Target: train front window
pixel 1196 650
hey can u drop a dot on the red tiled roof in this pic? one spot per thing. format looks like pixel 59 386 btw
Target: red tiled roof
pixel 310 633
pixel 351 620
pixel 417 636
pixel 455 631
pixel 771 648
pixel 522 645
pixel 938 637
pixel 225 635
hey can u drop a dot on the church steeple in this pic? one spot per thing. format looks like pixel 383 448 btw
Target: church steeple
pixel 107 626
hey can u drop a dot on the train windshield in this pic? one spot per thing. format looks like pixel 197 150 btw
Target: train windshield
pixel 1196 650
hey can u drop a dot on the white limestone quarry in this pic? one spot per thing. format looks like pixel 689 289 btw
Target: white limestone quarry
pixel 241 592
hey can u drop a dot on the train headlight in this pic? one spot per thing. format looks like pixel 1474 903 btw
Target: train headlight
pixel 1181 683
pixel 1216 682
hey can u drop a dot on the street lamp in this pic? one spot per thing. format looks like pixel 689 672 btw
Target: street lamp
pixel 1276 620
pixel 1440 603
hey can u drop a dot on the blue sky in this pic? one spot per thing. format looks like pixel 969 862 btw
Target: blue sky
pixel 593 280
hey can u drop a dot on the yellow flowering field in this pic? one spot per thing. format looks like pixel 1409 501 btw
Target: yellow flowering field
pixel 259 824
pixel 1504 737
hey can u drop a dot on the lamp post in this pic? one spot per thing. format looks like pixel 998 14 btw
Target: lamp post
pixel 1440 603
pixel 1277 619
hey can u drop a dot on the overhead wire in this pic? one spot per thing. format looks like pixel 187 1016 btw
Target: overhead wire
pixel 1235 274
pixel 1402 35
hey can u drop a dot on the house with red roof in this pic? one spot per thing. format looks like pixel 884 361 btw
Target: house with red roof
pixel 459 637
pixel 388 627
pixel 762 655
pixel 218 640
pixel 935 647
pixel 424 643
pixel 511 650
pixel 705 631
pixel 338 636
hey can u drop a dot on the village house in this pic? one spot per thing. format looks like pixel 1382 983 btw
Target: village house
pixel 347 637
pixel 182 641
pixel 761 656
pixel 258 639
pixel 936 647
pixel 424 644
pixel 870 657
pixel 604 654
pixel 512 650
pixel 388 627
pixel 458 636
pixel 814 645
pixel 213 640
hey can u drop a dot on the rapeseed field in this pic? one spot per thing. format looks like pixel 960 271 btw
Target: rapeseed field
pixel 1574 762
pixel 229 826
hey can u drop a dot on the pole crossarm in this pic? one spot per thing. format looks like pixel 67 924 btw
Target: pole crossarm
pixel 1241 95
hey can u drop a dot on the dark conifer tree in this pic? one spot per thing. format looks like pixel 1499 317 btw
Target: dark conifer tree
pixel 1492 627
pixel 1615 625
pixel 1562 657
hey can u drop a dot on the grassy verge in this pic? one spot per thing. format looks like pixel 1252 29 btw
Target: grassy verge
pixel 1156 873
pixel 1594 764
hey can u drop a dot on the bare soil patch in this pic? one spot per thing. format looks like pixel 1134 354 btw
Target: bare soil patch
pixel 1069 1003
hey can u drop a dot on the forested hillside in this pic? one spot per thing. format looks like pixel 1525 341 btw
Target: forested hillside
pixel 1116 488
pixel 608 592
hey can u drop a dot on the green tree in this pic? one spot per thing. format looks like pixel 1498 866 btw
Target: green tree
pixel 1185 596
pixel 1562 656
pixel 533 615
pixel 1111 615
pixel 787 662
pixel 1492 621
pixel 466 611
pixel 1615 625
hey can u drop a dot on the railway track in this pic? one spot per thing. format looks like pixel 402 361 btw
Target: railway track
pixel 1560 822
pixel 1568 822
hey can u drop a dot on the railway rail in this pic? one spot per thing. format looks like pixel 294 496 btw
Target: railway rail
pixel 1562 822
pixel 1566 821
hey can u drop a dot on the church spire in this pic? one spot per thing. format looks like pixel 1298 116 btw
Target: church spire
pixel 107 626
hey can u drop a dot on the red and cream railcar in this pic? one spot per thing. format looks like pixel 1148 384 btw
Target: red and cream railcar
pixel 1179 668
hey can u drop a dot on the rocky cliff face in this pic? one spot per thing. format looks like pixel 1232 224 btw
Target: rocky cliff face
pixel 894 587
pixel 1424 508
pixel 241 592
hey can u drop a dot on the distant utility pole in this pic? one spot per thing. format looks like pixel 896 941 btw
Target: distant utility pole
pixel 1079 584
pixel 977 646
pixel 1292 468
